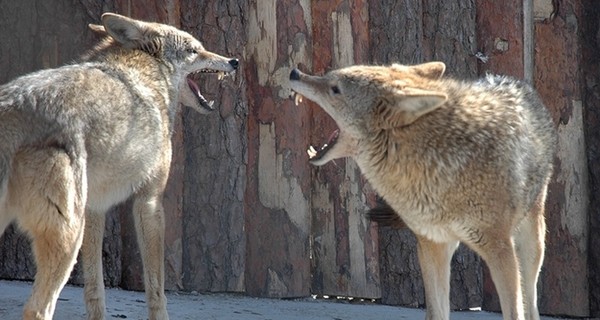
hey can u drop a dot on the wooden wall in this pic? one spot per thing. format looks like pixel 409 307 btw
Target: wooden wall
pixel 589 22
pixel 247 213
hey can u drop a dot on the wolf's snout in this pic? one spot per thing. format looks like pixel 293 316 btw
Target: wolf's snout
pixel 295 74
pixel 234 63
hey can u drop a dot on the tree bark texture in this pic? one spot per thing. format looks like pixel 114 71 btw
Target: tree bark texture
pixel 590 66
pixel 564 283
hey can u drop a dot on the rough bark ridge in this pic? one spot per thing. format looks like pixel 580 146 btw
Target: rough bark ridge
pixel 215 149
pixel 590 40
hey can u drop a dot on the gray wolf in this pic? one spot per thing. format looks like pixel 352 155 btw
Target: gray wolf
pixel 456 160
pixel 79 139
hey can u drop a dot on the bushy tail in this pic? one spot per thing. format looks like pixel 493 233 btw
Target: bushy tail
pixel 9 143
pixel 6 155
pixel 14 129
pixel 385 216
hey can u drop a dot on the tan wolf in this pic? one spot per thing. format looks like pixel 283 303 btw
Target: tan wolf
pixel 458 161
pixel 79 139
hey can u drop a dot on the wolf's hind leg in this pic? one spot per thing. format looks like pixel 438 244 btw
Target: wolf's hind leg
pixel 530 244
pixel 434 259
pixel 91 259
pixel 499 253
pixel 52 214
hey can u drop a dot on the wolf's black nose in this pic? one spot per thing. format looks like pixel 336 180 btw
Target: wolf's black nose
pixel 234 63
pixel 295 74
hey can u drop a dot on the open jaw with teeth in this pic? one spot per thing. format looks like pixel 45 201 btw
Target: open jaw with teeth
pixel 191 80
pixel 313 153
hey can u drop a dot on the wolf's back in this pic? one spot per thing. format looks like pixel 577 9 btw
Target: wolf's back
pixel 535 145
pixel 30 115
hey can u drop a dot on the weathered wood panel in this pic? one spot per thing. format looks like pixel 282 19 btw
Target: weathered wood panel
pixel 215 148
pixel 563 287
pixel 564 284
pixel 409 33
pixel 277 197
pixel 500 36
pixel 589 22
pixel 344 244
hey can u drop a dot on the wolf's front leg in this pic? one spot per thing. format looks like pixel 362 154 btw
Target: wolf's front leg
pixel 434 259
pixel 501 258
pixel 91 258
pixel 150 227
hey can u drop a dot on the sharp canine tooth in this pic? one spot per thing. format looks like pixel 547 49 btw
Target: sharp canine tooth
pixel 297 98
pixel 221 75
pixel 311 152
pixel 210 104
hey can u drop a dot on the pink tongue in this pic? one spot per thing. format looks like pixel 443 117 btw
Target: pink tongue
pixel 333 136
pixel 193 85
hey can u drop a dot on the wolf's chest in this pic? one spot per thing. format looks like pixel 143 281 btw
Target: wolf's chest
pixel 111 184
pixel 115 175
pixel 433 232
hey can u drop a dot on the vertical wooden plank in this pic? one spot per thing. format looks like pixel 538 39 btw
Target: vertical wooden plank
pixel 396 32
pixel 590 67
pixel 214 243
pixel 500 36
pixel 277 197
pixel 344 243
pixel 565 264
pixel 500 44
pixel 564 278
pixel 446 40
pixel 413 33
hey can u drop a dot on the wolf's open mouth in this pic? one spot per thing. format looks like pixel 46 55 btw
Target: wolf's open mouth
pixel 193 77
pixel 316 154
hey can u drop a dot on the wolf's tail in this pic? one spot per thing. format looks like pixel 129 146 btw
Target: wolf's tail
pixel 5 164
pixel 385 216
pixel 10 139
pixel 6 155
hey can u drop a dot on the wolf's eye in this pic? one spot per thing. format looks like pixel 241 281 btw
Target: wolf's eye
pixel 335 90
pixel 190 50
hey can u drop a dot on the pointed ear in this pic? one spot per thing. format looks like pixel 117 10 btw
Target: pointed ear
pixel 406 106
pixel 431 70
pixel 98 29
pixel 130 33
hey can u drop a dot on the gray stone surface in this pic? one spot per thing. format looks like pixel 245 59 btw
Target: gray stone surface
pixel 130 305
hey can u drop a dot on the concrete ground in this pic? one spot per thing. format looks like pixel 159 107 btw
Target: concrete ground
pixel 183 306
